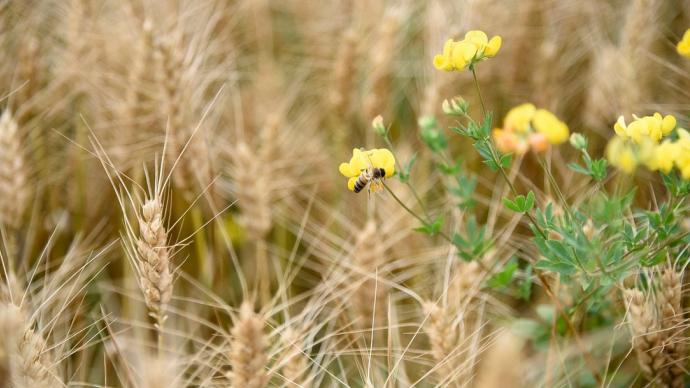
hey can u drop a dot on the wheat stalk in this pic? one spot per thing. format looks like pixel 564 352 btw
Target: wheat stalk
pixel 14 189
pixel 248 356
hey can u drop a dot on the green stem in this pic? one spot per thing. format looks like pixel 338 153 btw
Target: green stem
pixel 479 92
pixel 555 186
pixel 410 186
pixel 415 215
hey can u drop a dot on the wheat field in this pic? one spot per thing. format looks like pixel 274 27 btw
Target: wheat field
pixel 173 211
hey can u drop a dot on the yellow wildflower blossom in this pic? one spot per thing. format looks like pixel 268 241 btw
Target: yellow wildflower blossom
pixel 546 123
pixel 526 127
pixel 459 55
pixel 683 46
pixel 662 157
pixel 518 118
pixel 653 127
pixel 682 159
pixel 367 160
pixel 621 154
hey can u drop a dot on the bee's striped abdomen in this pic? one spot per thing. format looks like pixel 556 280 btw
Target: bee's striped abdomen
pixel 361 182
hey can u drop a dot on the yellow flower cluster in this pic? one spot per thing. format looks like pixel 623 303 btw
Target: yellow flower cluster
pixel 367 160
pixel 459 55
pixel 683 46
pixel 645 141
pixel 526 127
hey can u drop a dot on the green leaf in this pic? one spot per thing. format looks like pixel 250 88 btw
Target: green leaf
pixel 529 203
pixel 526 286
pixel 511 205
pixel 579 169
pixel 561 268
pixel 404 175
pixel 506 160
pixel 503 278
pixel 450 169
pixel 432 228
pixel 520 204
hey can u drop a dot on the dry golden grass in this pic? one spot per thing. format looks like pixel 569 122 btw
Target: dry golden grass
pixel 171 213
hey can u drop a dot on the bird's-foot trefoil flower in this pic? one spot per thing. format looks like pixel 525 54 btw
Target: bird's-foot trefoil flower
pixel 460 55
pixel 368 167
pixel 650 141
pixel 525 127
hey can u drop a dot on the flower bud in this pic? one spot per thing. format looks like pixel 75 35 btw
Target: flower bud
pixel 578 141
pixel 378 126
pixel 456 106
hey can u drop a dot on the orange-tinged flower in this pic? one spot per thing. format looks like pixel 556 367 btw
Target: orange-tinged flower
pixel 526 127
pixel 538 142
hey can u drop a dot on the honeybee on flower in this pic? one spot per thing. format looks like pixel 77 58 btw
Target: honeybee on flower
pixel 525 127
pixel 683 46
pixel 368 168
pixel 475 47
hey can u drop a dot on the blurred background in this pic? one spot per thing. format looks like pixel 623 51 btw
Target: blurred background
pixel 248 107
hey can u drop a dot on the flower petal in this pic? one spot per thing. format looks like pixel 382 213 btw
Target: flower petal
pixel 477 38
pixel 493 46
pixel 346 170
pixel 351 183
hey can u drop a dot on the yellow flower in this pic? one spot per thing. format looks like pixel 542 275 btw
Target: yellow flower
pixel 546 123
pixel 683 46
pixel 648 127
pixel 620 153
pixel 364 160
pixel 459 55
pixel 493 46
pixel 526 127
pixel 683 153
pixel 662 157
pixel 518 118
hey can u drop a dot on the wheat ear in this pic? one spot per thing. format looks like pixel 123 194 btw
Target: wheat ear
pixel 344 72
pixel 14 190
pixel 248 356
pixel 443 339
pixel 296 363
pixel 669 301
pixel 155 277
pixel 27 359
pixel 368 256
pixel 646 338
pixel 193 166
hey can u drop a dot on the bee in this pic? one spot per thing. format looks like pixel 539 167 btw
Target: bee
pixel 369 176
